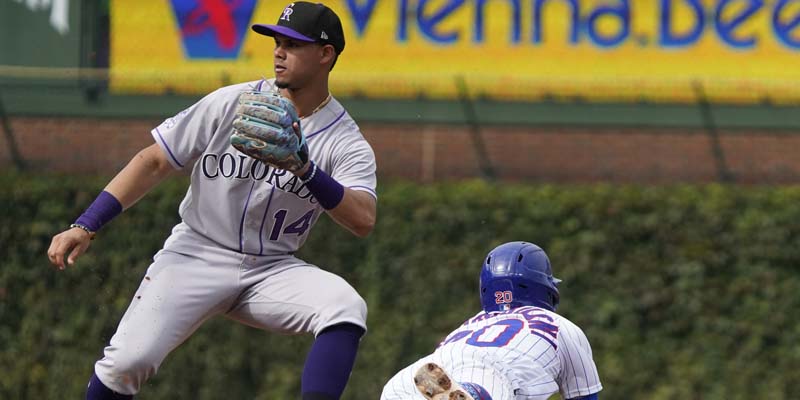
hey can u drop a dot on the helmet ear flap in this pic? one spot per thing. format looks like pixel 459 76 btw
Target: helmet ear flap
pixel 554 300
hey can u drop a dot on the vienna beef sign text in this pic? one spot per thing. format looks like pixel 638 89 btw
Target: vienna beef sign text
pixel 740 50
pixel 726 19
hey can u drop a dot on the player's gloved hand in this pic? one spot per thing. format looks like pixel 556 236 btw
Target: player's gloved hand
pixel 267 128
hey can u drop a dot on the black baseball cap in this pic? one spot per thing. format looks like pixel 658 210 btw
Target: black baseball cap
pixel 307 22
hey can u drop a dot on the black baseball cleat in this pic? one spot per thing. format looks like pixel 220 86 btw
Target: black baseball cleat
pixel 432 381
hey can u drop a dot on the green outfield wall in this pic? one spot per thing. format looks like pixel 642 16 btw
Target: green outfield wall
pixel 40 34
pixel 49 98
pixel 685 292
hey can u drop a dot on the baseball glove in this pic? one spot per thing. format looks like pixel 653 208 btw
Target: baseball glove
pixel 263 129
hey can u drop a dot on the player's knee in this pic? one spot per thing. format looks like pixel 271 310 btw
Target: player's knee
pixel 359 305
pixel 134 365
pixel 362 310
pixel 352 305
pixel 127 371
pixel 345 307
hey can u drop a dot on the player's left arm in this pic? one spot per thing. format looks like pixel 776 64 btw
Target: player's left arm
pixel 356 212
pixel 347 191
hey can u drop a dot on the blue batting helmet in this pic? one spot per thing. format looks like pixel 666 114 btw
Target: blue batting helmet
pixel 518 274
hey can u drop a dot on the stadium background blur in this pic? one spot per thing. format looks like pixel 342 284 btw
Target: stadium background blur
pixel 650 146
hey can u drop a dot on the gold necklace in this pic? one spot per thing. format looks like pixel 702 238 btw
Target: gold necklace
pixel 320 106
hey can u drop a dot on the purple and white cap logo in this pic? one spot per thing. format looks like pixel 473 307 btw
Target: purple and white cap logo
pixel 307 22
pixel 287 12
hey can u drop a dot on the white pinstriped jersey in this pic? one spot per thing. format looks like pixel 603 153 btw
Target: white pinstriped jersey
pixel 243 204
pixel 527 353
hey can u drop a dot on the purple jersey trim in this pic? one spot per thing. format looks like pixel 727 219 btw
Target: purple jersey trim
pixel 169 151
pixel 259 85
pixel 364 189
pixel 328 126
pixel 244 213
pixel 263 220
pixel 555 346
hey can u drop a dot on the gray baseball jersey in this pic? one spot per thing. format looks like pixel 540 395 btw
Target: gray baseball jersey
pixel 232 253
pixel 246 205
pixel 525 353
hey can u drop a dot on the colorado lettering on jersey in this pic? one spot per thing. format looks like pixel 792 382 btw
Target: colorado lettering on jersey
pixel 242 167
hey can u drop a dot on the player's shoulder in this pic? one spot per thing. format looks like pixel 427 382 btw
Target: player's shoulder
pixel 225 97
pixel 232 91
pixel 339 125
pixel 570 332
pixel 566 322
pixel 345 123
pixel 533 316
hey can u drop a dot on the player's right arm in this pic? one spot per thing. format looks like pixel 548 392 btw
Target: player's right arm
pixel 145 170
pixel 578 378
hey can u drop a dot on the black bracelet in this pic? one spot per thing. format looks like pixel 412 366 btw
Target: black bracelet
pixel 328 192
pixel 89 231
pixel 309 175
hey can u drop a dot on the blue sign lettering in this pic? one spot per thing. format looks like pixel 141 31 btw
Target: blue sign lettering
pixel 621 12
pixel 402 21
pixel 361 13
pixel 725 29
pixel 668 38
pixel 727 18
pixel 783 30
pixel 574 16
pixel 515 21
pixel 428 23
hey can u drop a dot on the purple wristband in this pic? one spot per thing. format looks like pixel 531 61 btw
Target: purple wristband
pixel 104 208
pixel 325 189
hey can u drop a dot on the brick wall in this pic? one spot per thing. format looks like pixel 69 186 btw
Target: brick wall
pixel 437 152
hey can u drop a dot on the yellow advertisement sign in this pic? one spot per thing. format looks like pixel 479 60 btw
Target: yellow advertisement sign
pixel 740 51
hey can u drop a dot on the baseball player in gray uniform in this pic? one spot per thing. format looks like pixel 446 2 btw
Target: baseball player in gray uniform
pixel 516 348
pixel 242 221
